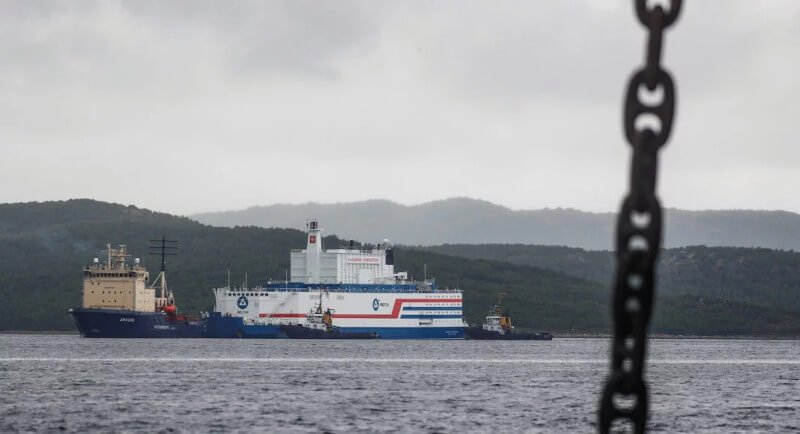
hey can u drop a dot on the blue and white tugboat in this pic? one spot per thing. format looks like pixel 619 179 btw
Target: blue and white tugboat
pixel 319 325
pixel 497 326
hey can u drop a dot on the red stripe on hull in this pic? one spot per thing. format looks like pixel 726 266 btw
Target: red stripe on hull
pixel 396 309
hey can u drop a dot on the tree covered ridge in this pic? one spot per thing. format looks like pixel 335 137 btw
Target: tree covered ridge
pixel 758 276
pixel 43 247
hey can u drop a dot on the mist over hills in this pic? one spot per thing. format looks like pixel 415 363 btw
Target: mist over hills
pixel 43 247
pixel 753 275
pixel 470 221
pixel 708 291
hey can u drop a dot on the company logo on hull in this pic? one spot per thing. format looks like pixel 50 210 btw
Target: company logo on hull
pixel 376 304
pixel 242 302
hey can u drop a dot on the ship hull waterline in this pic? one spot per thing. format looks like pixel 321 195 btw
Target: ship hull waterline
pixel 479 333
pixel 108 323
pixel 302 332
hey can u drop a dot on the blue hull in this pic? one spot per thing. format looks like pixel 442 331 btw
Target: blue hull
pixel 107 323
pixel 219 326
pixel 409 332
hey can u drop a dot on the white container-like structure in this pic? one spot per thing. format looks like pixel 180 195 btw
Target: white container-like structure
pixel 360 287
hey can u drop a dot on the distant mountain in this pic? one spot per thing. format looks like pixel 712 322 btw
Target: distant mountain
pixel 44 245
pixel 750 275
pixel 462 220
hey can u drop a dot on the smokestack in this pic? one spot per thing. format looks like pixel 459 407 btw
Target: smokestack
pixel 313 252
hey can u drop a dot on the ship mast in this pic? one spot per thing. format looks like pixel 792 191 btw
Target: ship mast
pixel 163 248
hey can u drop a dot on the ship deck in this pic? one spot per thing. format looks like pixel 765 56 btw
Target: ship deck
pixel 352 287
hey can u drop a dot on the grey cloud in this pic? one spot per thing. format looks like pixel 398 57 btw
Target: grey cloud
pixel 522 93
pixel 285 36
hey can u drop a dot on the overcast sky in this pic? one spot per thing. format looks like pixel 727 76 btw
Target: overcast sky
pixel 198 106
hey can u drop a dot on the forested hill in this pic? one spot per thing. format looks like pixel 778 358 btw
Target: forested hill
pixel 43 247
pixel 470 221
pixel 761 277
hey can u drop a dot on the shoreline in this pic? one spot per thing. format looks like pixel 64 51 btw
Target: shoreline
pixel 556 335
pixel 663 336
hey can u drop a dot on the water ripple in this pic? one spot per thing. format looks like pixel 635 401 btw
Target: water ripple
pixel 64 383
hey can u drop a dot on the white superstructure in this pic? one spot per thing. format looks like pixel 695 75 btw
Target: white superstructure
pixel 359 286
pixel 344 265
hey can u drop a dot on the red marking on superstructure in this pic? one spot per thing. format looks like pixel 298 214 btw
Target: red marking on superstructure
pixel 286 315
pixel 398 304
pixel 396 309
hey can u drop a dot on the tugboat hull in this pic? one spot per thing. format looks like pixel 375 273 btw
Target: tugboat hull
pixel 479 333
pixel 301 332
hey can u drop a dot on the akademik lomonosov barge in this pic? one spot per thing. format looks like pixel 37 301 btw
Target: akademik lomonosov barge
pixel 357 288
pixel 360 288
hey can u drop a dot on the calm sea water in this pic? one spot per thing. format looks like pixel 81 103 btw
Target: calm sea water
pixel 52 383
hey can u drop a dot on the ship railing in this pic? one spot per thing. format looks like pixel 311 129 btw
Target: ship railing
pixel 248 291
pixel 358 289
pixel 297 287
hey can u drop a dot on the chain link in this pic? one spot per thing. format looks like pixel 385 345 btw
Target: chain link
pixel 639 226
